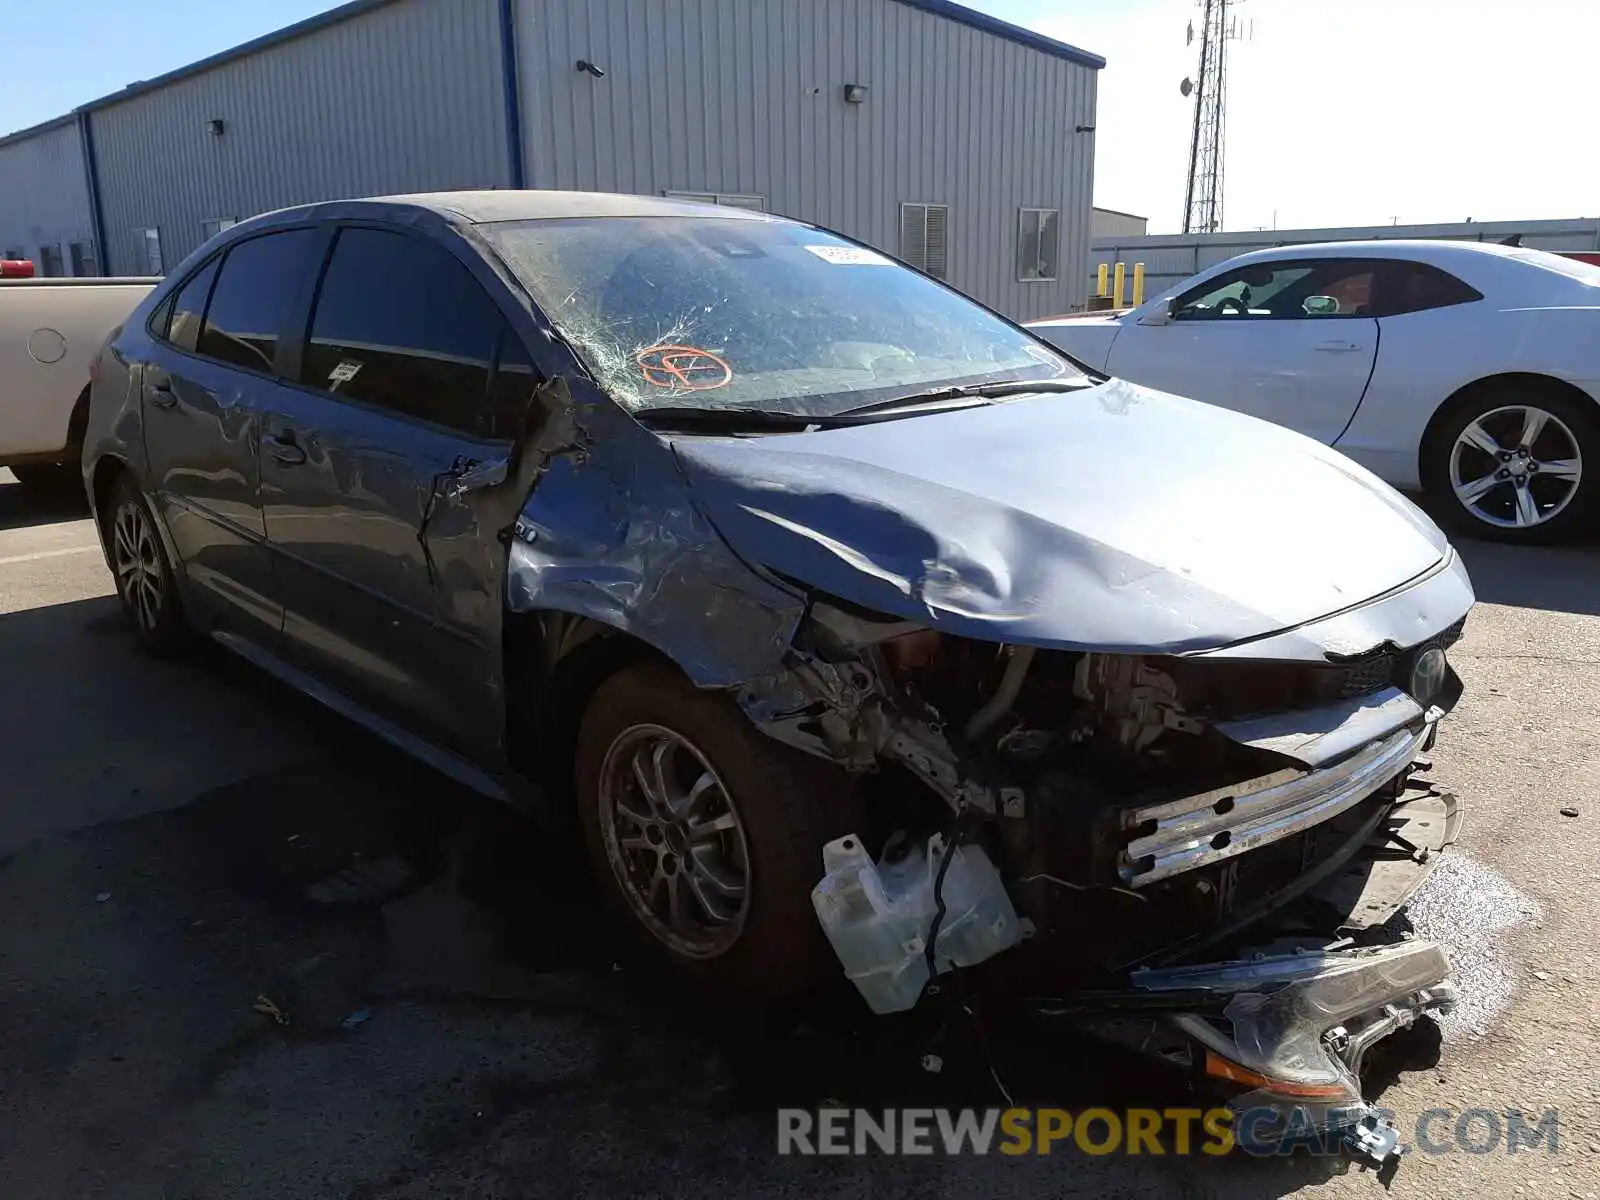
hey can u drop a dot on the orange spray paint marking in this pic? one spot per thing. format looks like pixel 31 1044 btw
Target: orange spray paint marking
pixel 683 368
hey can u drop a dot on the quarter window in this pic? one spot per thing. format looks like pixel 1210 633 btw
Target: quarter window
pixel 253 298
pixel 1038 244
pixel 400 323
pixel 188 307
pixel 1413 287
pixel 925 237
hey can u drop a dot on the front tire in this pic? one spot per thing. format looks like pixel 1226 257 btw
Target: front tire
pixel 706 835
pixel 1517 463
pixel 145 582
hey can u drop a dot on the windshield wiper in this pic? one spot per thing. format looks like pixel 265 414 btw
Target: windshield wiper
pixel 763 420
pixel 971 391
pixel 725 420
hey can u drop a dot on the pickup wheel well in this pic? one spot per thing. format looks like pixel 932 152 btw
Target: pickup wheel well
pixel 78 425
pixel 106 473
pixel 1524 381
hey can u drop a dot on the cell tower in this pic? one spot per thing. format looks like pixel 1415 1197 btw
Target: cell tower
pixel 1202 204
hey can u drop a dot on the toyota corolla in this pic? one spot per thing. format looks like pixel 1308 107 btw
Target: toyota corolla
pixel 813 589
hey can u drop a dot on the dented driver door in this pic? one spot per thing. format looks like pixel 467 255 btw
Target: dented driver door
pixel 389 585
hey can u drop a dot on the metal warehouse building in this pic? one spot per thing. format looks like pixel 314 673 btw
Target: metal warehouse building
pixel 961 143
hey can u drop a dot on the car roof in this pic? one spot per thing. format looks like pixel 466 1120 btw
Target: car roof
pixel 493 205
pixel 1425 249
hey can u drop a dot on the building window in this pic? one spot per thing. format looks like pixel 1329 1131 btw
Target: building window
pixel 1038 244
pixel 209 229
pixel 924 237
pixel 83 259
pixel 50 261
pixel 147 251
pixel 726 199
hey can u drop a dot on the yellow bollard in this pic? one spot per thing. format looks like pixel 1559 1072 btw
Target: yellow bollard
pixel 1100 282
pixel 1138 284
pixel 1116 301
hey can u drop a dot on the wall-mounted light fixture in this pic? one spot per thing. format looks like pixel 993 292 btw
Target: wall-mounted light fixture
pixel 216 127
pixel 855 93
pixel 589 68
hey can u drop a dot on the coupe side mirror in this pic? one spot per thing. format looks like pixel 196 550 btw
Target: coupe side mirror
pixel 1321 306
pixel 1161 314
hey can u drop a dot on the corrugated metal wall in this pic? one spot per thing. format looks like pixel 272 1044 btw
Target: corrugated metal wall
pixel 746 97
pixel 44 197
pixel 1170 258
pixel 405 98
pixel 1108 223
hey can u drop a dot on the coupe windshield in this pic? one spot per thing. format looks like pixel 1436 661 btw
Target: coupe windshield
pixel 726 313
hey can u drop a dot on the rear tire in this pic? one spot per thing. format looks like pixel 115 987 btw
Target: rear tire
pixel 706 835
pixel 1517 463
pixel 146 585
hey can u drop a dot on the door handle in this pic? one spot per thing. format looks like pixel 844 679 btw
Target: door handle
pixel 283 450
pixel 162 395
pixel 1337 347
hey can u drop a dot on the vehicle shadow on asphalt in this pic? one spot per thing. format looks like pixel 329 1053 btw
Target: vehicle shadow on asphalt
pixel 22 507
pixel 1557 578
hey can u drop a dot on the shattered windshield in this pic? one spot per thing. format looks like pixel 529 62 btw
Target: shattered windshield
pixel 725 313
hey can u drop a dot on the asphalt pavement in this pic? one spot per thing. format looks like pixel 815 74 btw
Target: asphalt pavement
pixel 189 853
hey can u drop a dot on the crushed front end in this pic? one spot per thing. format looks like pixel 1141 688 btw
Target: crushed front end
pixel 1204 850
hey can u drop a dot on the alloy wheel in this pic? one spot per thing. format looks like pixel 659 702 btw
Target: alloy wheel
pixel 1515 467
pixel 675 842
pixel 136 558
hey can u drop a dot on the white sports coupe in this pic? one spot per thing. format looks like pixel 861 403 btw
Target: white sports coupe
pixel 1469 370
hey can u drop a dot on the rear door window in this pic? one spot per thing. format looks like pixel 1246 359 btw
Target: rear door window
pixel 401 324
pixel 254 297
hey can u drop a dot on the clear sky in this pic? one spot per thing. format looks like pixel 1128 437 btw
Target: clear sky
pixel 1339 111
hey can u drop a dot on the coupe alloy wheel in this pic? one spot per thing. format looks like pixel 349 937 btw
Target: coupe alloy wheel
pixel 1516 467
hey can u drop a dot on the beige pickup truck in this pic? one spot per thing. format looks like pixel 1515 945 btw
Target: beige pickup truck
pixel 50 331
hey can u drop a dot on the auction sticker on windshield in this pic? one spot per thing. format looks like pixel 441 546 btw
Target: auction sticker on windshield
pixel 683 368
pixel 849 256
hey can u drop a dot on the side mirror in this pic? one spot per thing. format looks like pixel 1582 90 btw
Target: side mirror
pixel 1321 306
pixel 1161 314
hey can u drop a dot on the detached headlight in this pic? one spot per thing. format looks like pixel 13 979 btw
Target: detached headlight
pixel 1429 672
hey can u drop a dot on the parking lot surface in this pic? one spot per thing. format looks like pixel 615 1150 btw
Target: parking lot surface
pixel 188 851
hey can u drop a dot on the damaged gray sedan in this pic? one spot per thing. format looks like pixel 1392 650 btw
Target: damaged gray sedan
pixel 813 589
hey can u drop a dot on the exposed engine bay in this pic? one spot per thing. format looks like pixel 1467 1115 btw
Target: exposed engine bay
pixel 1145 813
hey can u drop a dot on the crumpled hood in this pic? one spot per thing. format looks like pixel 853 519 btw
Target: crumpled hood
pixel 1118 518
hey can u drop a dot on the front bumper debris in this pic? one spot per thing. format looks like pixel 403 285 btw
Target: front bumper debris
pixel 1293 1032
pixel 1219 824
pixel 1285 1035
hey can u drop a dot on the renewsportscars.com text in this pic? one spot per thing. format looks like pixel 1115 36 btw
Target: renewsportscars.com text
pixel 1149 1131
